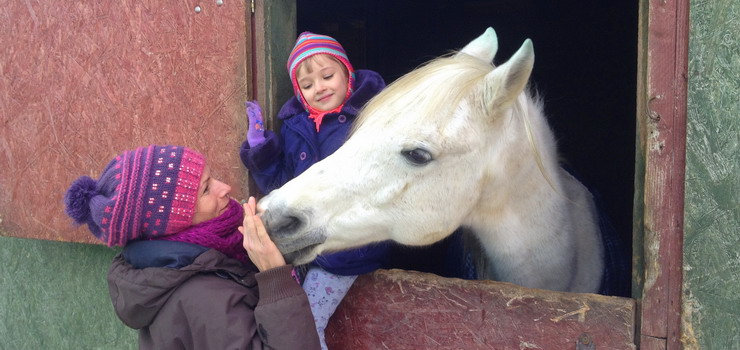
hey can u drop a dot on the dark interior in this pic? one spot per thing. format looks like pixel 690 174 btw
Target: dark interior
pixel 585 68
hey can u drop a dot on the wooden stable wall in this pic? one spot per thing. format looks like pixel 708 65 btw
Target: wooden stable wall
pixel 82 81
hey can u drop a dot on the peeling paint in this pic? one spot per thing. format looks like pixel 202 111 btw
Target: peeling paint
pixel 688 337
pixel 652 268
pixel 580 312
pixel 524 345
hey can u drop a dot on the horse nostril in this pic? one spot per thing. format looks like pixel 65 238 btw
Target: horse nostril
pixel 282 225
pixel 289 224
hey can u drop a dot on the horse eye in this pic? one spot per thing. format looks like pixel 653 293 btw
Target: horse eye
pixel 417 156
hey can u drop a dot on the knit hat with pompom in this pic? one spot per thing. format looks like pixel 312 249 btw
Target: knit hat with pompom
pixel 143 193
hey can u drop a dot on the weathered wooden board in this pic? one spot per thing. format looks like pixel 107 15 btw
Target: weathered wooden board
pixel 395 309
pixel 662 143
pixel 82 81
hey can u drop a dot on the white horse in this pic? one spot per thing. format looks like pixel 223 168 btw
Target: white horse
pixel 457 142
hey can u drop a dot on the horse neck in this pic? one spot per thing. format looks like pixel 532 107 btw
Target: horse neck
pixel 518 191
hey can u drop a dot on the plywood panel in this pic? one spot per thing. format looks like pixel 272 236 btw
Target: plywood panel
pixel 82 81
pixel 711 289
pixel 395 309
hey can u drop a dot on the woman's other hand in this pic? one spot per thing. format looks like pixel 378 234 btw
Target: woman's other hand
pixel 260 248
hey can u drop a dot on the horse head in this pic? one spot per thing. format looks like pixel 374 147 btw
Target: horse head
pixel 421 156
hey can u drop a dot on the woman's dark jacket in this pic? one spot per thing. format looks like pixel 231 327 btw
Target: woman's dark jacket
pixel 185 296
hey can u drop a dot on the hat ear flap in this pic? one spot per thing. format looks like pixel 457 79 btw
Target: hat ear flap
pixel 99 221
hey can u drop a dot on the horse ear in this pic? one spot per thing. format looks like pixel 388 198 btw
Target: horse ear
pixel 508 80
pixel 483 47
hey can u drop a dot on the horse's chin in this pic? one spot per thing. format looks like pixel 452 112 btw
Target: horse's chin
pixel 302 256
pixel 302 248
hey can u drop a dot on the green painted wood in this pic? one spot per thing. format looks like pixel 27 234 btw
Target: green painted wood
pixel 54 296
pixel 275 34
pixel 272 35
pixel 638 224
pixel 711 306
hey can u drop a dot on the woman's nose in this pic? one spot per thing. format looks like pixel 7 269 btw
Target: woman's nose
pixel 224 189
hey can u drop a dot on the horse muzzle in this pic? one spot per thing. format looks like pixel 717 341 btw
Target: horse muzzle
pixel 292 234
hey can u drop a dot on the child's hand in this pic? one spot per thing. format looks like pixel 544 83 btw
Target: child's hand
pixel 256 132
pixel 260 248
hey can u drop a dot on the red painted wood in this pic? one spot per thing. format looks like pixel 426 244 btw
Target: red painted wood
pixel 650 343
pixel 394 309
pixel 82 81
pixel 667 61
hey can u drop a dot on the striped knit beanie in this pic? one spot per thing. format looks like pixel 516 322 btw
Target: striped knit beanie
pixel 309 44
pixel 143 193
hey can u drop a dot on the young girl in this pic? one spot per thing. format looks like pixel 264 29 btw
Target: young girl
pixel 184 279
pixel 316 121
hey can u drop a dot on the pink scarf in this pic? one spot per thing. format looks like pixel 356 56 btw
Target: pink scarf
pixel 318 116
pixel 219 233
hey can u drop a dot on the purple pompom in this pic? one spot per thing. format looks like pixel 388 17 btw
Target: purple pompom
pixel 77 199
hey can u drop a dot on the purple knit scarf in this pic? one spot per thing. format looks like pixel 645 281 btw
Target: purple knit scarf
pixel 219 233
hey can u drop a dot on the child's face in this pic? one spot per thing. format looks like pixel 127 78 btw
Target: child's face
pixel 323 82
pixel 213 198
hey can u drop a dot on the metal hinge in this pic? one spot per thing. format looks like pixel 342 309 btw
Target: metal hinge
pixel 252 6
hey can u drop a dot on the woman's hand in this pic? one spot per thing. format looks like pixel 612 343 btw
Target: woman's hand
pixel 260 248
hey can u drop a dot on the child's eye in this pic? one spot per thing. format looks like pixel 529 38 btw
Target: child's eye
pixel 205 190
pixel 327 77
pixel 306 87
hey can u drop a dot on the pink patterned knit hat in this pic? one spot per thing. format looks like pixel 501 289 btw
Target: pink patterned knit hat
pixel 144 193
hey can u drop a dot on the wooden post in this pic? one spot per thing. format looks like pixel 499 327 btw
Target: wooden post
pixel 663 60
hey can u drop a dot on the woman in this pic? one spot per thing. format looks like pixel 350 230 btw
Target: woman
pixel 187 278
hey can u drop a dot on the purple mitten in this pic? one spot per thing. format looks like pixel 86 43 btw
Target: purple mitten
pixel 256 132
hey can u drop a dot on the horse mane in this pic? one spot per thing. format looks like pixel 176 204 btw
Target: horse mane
pixel 416 88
